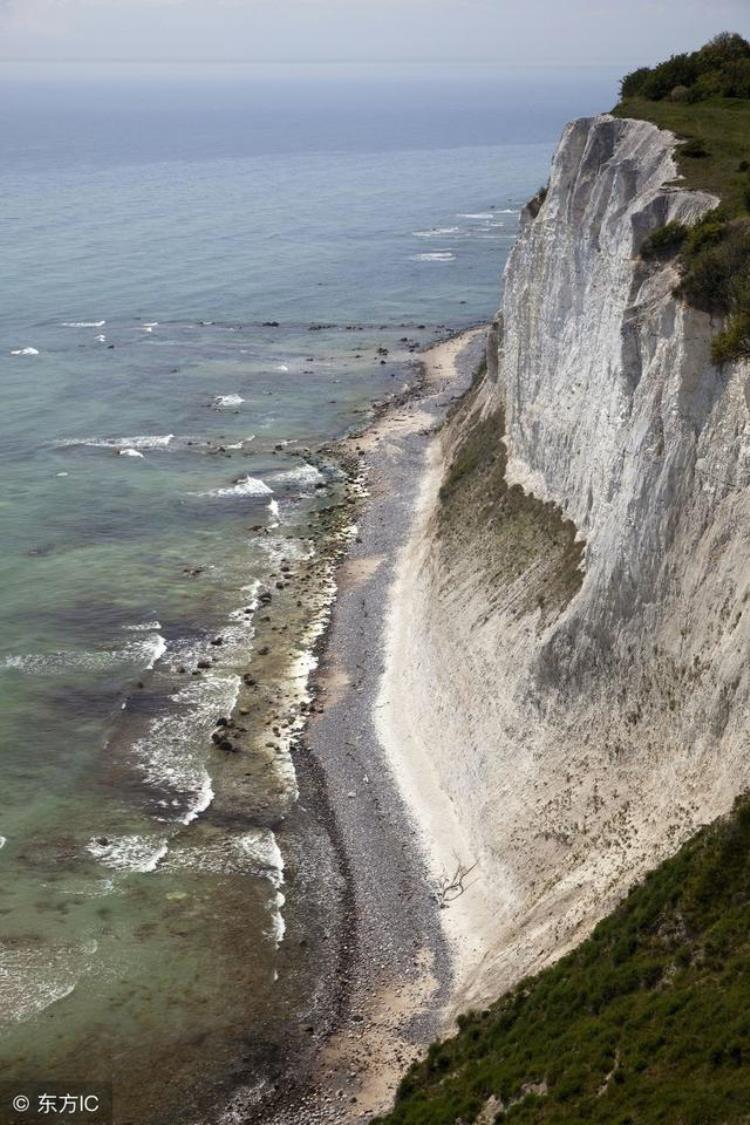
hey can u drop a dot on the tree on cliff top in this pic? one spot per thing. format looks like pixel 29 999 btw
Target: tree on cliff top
pixel 720 68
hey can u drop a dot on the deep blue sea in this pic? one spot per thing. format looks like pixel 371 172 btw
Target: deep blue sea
pixel 200 275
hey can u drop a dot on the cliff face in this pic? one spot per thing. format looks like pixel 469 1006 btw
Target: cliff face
pixel 566 687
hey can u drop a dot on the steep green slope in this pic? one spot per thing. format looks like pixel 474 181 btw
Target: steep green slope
pixel 648 1021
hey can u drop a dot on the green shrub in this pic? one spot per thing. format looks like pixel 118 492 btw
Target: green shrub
pixel 719 69
pixel 714 262
pixel 734 341
pixel 716 268
pixel 664 242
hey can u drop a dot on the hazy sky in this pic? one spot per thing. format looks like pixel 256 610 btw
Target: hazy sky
pixel 622 32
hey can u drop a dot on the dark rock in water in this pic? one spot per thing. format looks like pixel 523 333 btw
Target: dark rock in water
pixel 203 664
pixel 264 651
pixel 249 680
pixel 265 597
pixel 222 721
pixel 182 669
pixel 224 743
pixel 102 841
pixel 270 324
pixel 217 641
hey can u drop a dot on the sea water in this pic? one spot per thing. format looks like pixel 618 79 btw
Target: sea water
pixel 200 273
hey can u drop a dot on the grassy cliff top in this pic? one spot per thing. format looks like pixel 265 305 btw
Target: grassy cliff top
pixel 646 1022
pixel 704 98
pixel 718 135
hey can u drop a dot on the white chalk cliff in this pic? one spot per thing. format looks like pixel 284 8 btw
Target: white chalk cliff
pixel 565 713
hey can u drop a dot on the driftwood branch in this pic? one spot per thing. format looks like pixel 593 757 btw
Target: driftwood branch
pixel 451 887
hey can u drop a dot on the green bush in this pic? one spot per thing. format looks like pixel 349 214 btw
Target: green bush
pixel 664 242
pixel 719 69
pixel 714 262
pixel 734 341
pixel 716 267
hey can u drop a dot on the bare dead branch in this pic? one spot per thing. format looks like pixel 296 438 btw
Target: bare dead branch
pixel 451 887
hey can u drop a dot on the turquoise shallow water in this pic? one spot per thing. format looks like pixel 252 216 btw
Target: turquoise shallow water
pixel 198 277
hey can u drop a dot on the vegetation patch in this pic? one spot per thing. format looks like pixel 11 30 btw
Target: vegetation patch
pixel 703 98
pixel 719 69
pixel 647 1022
pixel 518 535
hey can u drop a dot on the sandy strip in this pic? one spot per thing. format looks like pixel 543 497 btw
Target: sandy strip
pixel 468 917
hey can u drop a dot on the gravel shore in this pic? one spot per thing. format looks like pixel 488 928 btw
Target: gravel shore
pixel 394 964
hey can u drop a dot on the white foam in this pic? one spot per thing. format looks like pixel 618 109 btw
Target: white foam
pixel 204 795
pixel 305 476
pixel 282 367
pixel 172 752
pixel 273 507
pixel 140 441
pixel 158 648
pixel 436 232
pixel 3 841
pixel 254 852
pixel 129 853
pixel 129 453
pixel 101 339
pixel 479 215
pixel 228 400
pixel 84 323
pixel 25 351
pixel 33 978
pixel 143 653
pixel 146 627
pixel 239 444
pixel 62 474
pixel 436 256
pixel 245 486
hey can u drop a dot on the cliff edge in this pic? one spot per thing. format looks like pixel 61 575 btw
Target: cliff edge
pixel 565 691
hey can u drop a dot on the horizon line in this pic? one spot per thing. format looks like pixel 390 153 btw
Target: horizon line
pixel 311 62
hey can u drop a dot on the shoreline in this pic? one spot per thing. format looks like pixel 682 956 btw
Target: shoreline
pixel 395 963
